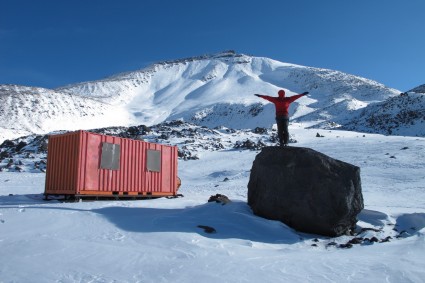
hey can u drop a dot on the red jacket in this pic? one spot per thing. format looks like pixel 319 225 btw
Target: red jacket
pixel 281 103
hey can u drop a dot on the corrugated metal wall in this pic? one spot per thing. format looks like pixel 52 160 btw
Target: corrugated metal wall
pixel 62 164
pixel 79 156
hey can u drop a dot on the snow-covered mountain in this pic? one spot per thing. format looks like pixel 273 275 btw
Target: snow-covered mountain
pixel 212 90
pixel 418 89
pixel 27 110
pixel 399 115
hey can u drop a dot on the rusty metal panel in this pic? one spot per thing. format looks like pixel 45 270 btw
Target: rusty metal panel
pixel 62 164
pixel 75 166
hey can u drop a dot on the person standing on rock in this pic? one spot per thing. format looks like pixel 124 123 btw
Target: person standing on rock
pixel 281 104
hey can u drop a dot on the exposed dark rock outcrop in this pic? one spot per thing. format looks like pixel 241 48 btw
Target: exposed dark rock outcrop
pixel 305 189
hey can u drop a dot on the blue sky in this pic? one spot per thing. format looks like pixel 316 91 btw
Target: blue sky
pixel 51 43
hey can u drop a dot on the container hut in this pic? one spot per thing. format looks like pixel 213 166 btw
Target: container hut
pixel 85 164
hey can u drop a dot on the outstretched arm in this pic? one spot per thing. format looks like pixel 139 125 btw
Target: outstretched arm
pixel 295 97
pixel 266 97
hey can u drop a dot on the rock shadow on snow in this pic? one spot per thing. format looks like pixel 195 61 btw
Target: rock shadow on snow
pixel 410 224
pixel 373 217
pixel 405 225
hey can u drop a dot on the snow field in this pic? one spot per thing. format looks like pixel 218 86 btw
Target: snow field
pixel 159 240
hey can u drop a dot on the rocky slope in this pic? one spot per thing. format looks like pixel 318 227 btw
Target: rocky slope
pixel 29 153
pixel 399 115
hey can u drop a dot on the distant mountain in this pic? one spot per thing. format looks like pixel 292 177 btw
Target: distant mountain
pixel 28 110
pixel 211 90
pixel 398 115
pixel 419 89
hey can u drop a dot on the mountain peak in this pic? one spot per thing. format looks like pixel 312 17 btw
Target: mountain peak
pixel 208 90
pixel 227 54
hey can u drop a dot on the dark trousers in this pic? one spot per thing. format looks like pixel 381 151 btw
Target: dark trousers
pixel 282 129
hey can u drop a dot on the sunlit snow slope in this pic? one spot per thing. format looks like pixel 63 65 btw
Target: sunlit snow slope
pixel 208 90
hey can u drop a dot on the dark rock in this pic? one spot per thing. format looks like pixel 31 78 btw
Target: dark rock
pixel 164 136
pixel 356 241
pixel 305 189
pixel 345 246
pixel 402 234
pixel 4 154
pixel 7 143
pixel 219 198
pixel 175 123
pixel 133 131
pixel 260 131
pixel 373 240
pixel 387 239
pixel 207 229
pixel 41 142
pixel 249 144
pixel 370 229
pixel 20 146
pixel 368 240
pixel 256 109
pixel 186 154
pixel 9 163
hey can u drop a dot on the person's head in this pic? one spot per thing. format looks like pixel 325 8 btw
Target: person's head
pixel 281 93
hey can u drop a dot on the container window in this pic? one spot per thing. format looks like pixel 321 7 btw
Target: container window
pixel 154 160
pixel 110 158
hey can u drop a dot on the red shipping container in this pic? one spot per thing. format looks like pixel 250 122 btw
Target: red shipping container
pixel 88 164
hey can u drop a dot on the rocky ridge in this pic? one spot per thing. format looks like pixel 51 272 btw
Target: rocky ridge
pixel 399 115
pixel 29 153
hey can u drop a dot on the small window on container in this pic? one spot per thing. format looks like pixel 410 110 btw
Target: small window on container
pixel 110 158
pixel 153 161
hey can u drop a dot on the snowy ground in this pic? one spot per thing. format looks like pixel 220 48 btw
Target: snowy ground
pixel 159 240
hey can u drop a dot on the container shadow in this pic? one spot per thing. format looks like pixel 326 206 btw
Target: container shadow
pixel 212 220
pixel 26 199
pixel 233 220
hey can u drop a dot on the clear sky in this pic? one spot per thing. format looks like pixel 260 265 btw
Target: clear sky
pixel 51 43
